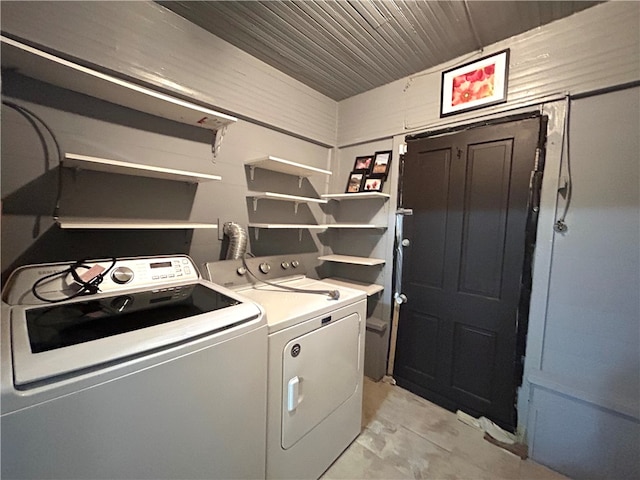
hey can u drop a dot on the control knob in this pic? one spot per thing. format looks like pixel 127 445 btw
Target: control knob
pixel 264 267
pixel 122 275
pixel 295 263
pixel 121 303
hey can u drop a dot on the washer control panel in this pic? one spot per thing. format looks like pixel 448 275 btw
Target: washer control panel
pixel 126 273
pixel 148 272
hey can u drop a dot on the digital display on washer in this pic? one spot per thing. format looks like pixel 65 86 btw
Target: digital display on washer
pixel 67 324
pixel 160 264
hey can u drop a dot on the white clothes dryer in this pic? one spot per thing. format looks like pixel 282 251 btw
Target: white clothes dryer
pixel 316 361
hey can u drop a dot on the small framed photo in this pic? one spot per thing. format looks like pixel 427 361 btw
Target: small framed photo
pixel 381 163
pixel 363 163
pixel 354 184
pixel 474 85
pixel 373 183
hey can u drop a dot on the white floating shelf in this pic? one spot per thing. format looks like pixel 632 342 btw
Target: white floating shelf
pixel 314 226
pixel 283 197
pixel 368 288
pixel 281 165
pixel 354 225
pixel 116 166
pixel 355 196
pixel 119 223
pixel 287 198
pixel 276 226
pixel 48 68
pixel 285 226
pixel 352 260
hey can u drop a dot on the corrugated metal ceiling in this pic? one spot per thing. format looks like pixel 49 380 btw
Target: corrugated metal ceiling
pixel 343 48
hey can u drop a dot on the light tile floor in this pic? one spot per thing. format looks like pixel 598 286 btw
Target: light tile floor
pixel 405 437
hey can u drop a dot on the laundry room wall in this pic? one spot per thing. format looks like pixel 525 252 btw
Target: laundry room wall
pixel 32 180
pixel 579 405
pixel 151 44
pixel 584 367
pixel 278 116
pixel 595 48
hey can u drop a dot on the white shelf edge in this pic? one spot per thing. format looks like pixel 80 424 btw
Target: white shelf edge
pixel 286 197
pixel 129 224
pixel 316 226
pixel 355 196
pixel 368 288
pixel 354 225
pixel 48 68
pixel 86 162
pixel 287 226
pixel 352 260
pixel 286 166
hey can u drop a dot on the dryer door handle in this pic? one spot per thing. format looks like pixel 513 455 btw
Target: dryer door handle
pixel 293 390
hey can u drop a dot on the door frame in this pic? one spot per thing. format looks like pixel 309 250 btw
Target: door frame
pixel 533 211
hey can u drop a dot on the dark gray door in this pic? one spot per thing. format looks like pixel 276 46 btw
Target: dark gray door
pixel 463 270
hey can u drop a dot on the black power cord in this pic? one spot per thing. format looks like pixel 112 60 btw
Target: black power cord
pixel 561 226
pixel 90 287
pixel 31 118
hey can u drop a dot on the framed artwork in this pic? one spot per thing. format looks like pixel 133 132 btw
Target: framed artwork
pixel 381 163
pixel 354 184
pixel 363 163
pixel 475 85
pixel 373 183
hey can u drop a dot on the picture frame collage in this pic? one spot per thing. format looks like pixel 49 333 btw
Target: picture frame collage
pixel 369 172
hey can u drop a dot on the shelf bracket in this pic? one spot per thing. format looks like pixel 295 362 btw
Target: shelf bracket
pixel 299 235
pixel 256 233
pixel 217 142
pixel 255 202
pixel 295 207
pixel 300 178
pixel 252 172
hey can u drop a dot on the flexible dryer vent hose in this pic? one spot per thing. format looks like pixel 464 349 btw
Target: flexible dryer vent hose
pixel 237 240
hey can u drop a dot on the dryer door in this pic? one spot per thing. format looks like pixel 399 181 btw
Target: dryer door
pixel 320 373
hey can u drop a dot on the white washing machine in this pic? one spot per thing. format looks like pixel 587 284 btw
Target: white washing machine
pixel 160 375
pixel 316 361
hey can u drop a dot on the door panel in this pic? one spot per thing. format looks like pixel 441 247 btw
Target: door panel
pixel 320 373
pixel 485 215
pixel 430 231
pixel 469 193
pixel 473 348
pixel 421 358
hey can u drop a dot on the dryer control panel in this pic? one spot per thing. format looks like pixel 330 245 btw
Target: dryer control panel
pixel 237 273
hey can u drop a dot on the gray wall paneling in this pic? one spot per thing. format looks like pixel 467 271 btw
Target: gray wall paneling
pixel 562 397
pixel 91 127
pixel 149 43
pixel 593 49
pixel 583 367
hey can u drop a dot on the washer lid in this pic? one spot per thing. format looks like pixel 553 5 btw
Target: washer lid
pixel 53 340
pixel 285 307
